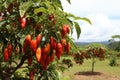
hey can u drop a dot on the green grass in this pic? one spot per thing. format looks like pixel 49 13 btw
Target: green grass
pixel 100 66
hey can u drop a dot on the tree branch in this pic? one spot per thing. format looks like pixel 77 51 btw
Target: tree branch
pixel 20 64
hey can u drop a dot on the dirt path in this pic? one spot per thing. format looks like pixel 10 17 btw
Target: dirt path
pixel 94 76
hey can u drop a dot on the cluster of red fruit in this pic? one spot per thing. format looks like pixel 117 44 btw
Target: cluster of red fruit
pixel 96 52
pixel 90 53
pixel 45 54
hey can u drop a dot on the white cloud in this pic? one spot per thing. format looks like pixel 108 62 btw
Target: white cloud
pixel 81 7
pixel 101 13
pixel 102 28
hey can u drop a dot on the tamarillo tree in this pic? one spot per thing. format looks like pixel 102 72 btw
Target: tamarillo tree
pixel 33 35
pixel 93 53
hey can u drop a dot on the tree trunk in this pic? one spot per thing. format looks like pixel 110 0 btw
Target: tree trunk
pixel 93 64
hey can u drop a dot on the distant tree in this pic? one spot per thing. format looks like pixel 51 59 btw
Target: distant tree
pixel 93 51
pixel 115 42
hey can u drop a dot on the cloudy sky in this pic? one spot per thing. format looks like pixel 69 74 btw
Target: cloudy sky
pixel 104 15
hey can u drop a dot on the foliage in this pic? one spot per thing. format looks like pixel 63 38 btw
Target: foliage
pixel 92 53
pixel 34 34
pixel 113 61
pixel 114 43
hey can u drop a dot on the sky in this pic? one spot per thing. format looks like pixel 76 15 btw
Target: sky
pixel 104 15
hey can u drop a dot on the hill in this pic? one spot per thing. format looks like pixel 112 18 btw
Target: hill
pixel 86 43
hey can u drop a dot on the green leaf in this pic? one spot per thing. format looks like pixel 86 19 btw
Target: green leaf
pixel 24 7
pixel 116 36
pixel 78 30
pixel 69 15
pixel 58 3
pixel 69 1
pixel 41 9
pixel 85 19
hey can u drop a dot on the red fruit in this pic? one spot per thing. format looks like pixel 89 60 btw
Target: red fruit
pixel 51 17
pixel 6 54
pixel 23 23
pixel 9 49
pixel 68 28
pixel 30 60
pixel 31 75
pixel 59 50
pixel 63 42
pixel 28 39
pixel 46 49
pixel 38 55
pixel 33 45
pixel 54 44
pixel 0 18
pixel 47 62
pixel 67 47
pixel 65 29
pixel 27 42
pixel 52 57
pixel 44 53
pixel 38 38
pixel 43 58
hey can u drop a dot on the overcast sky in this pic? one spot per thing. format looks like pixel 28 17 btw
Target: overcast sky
pixel 104 15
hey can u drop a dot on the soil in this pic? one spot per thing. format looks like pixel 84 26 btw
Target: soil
pixel 94 76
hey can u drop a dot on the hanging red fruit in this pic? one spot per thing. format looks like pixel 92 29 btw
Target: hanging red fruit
pixel 6 54
pixel 30 60
pixel 23 23
pixel 58 50
pixel 33 45
pixel 38 54
pixel 9 49
pixel 38 38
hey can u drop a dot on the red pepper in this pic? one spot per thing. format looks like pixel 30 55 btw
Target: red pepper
pixel 23 23
pixel 59 50
pixel 6 54
pixel 38 54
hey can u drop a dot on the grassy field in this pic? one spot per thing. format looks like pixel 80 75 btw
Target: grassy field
pixel 102 69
